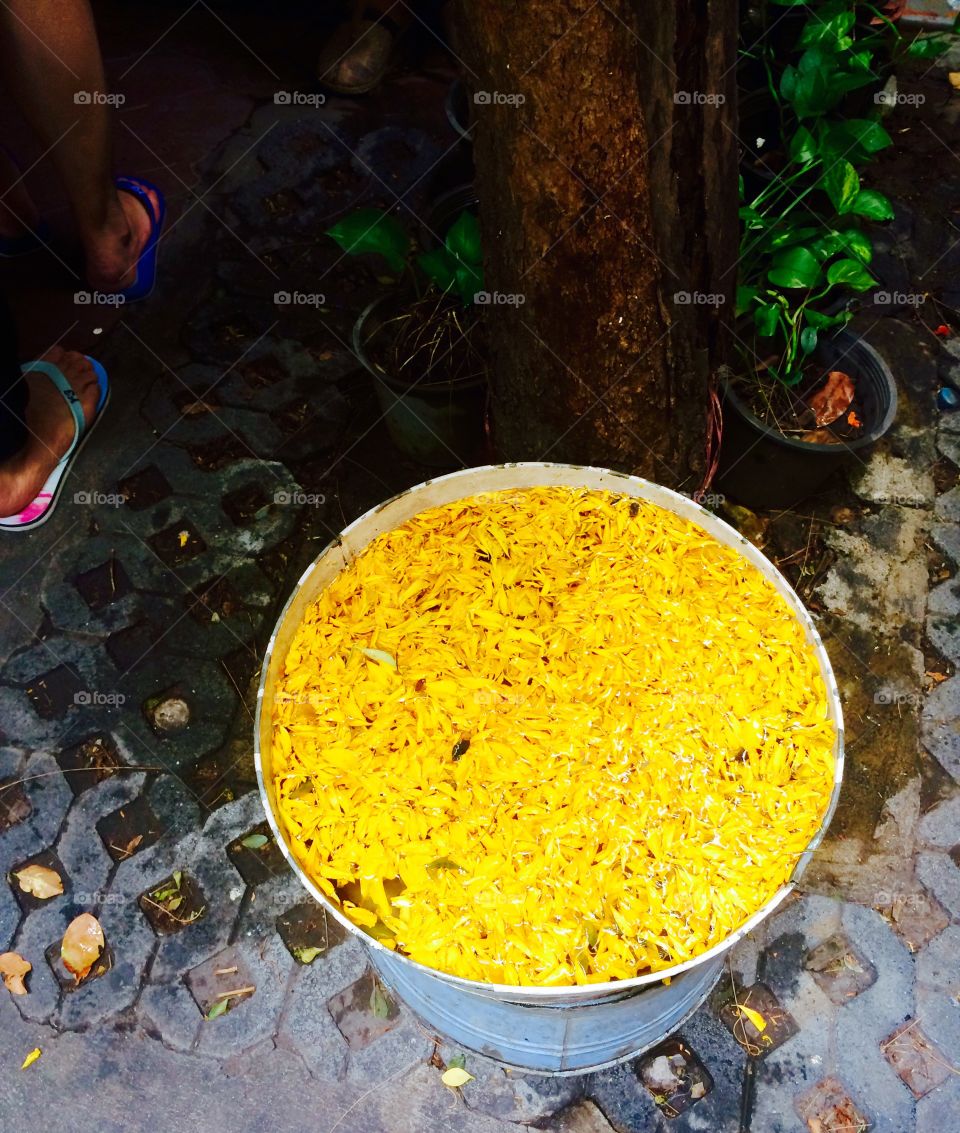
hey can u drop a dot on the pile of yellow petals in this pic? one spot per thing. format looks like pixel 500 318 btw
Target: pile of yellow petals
pixel 550 737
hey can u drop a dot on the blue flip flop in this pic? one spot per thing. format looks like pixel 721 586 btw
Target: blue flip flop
pixel 12 246
pixel 146 276
pixel 41 508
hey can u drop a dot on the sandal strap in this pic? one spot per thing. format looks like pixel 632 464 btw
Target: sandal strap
pixel 55 374
pixel 137 189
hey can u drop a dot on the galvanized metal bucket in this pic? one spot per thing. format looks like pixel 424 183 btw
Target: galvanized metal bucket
pixel 541 1029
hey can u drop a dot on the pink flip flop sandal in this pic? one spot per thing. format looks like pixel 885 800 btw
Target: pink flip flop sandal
pixel 41 508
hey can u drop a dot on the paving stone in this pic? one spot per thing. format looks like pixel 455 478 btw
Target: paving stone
pixel 840 969
pixel 915 1059
pixel 581 1117
pixel 9 918
pixel 38 931
pixel 829 1108
pixel 506 1094
pixel 364 1011
pixel 80 846
pixel 255 1019
pixel 212 982
pixel 938 965
pixel 167 1011
pixel 940 826
pixel 623 1098
pixel 309 1029
pixel 917 917
pixel 940 874
pixel 130 944
pixel 406 1043
pixel 940 1109
pixel 939 1014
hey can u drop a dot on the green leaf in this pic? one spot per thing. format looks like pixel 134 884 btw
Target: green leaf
pixel 748 212
pixel 463 238
pixel 439 266
pixel 858 244
pixel 850 273
pixel 306 955
pixel 745 298
pixel 872 205
pixel 469 282
pixel 791 236
pixel 177 877
pixel 829 25
pixel 842 185
pixel 255 841
pixel 458 1062
pixel 372 230
pixel 794 267
pixel 821 321
pixel 218 1009
pixel 924 47
pixel 765 319
pixel 379 1004
pixel 808 340
pixel 803 147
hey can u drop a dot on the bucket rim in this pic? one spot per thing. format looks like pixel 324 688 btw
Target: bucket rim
pixel 683 506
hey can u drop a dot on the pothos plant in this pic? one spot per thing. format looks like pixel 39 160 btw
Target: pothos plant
pixel 803 246
pixel 454 267
pixel 427 337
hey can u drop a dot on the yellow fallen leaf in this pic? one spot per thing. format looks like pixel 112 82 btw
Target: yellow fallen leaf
pixel 754 1016
pixel 82 944
pixel 954 77
pixel 42 882
pixel 13 968
pixel 31 1058
pixel 183 538
pixel 455 1077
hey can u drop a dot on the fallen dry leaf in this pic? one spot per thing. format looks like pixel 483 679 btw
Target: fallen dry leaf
pixel 833 399
pixel 455 1077
pixel 820 437
pixel 954 77
pixel 42 882
pixel 82 944
pixel 13 968
pixel 750 525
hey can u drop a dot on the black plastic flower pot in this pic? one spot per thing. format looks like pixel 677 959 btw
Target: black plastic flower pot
pixel 763 469
pixel 440 424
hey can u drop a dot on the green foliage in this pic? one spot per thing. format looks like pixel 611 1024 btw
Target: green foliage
pixel 804 252
pixel 455 267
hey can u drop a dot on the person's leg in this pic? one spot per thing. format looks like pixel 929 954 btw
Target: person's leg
pixel 51 58
pixel 36 425
pixel 18 216
pixel 13 389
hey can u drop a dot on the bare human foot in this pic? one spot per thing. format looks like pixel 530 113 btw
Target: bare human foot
pixel 113 250
pixel 18 214
pixel 51 426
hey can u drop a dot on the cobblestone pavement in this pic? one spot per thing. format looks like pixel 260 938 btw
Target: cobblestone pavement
pixel 132 625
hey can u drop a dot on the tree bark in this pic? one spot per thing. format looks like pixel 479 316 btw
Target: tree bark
pixel 607 190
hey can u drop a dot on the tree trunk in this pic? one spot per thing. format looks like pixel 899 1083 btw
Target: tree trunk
pixel 606 170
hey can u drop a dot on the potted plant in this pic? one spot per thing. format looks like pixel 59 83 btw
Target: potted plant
pixel 422 343
pixel 805 395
